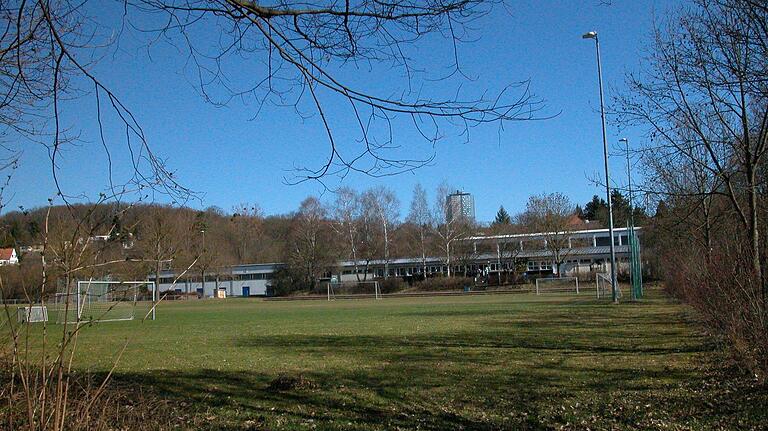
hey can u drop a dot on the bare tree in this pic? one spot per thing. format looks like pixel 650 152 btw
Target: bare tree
pixel 162 237
pixel 382 205
pixel 347 213
pixel 370 236
pixel 506 251
pixel 549 214
pixel 246 220
pixel 448 229
pixel 310 249
pixel 703 95
pixel 47 55
pixel 420 217
pixel 306 46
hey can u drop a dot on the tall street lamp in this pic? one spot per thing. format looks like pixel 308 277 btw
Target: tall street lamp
pixel 614 284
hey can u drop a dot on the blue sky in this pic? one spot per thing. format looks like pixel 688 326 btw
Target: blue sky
pixel 230 157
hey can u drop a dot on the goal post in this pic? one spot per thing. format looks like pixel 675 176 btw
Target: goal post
pixel 32 314
pixel 103 301
pixel 603 285
pixel 557 285
pixel 353 290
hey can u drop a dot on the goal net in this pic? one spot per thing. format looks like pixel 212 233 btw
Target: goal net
pixel 32 314
pixel 603 284
pixel 354 289
pixel 557 285
pixel 101 301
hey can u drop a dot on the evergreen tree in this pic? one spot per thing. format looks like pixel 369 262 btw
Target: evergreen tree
pixel 579 212
pixel 502 217
pixel 595 209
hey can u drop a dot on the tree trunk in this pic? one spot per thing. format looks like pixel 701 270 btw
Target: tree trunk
pixel 754 234
pixel 448 258
pixel 423 253
pixel 354 254
pixel 386 251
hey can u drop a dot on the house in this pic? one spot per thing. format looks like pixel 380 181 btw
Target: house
pixel 8 256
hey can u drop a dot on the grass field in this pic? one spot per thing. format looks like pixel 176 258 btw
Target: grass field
pixel 468 362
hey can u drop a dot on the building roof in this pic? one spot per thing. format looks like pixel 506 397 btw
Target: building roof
pixel 6 253
pixel 540 253
pixel 576 233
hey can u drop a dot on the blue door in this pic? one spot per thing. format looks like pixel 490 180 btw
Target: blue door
pixel 246 290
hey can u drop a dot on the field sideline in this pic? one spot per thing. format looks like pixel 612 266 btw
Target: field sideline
pixel 467 362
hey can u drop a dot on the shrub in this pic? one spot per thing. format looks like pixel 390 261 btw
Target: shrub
pixel 391 285
pixel 433 284
pixel 729 298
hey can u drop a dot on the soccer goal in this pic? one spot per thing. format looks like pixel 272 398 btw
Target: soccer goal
pixel 353 290
pixel 603 284
pixel 32 314
pixel 557 285
pixel 101 301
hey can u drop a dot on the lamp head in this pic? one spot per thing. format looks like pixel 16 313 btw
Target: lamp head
pixel 623 140
pixel 589 35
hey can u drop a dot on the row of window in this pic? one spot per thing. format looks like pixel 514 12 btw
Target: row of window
pixel 394 272
pixel 541 265
pixel 214 278
pixel 258 276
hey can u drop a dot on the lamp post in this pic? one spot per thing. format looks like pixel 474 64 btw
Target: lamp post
pixel 614 284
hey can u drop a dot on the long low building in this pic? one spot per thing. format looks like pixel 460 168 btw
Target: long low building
pixel 584 251
pixel 237 280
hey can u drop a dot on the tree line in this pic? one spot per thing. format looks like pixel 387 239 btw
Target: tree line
pixel 702 98
pixel 130 241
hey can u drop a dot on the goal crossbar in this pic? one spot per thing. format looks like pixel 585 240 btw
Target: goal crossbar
pixel 604 284
pixel 557 285
pixel 353 290
pixel 101 301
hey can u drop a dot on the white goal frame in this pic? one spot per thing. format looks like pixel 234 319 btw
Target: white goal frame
pixel 332 295
pixel 32 314
pixel 541 281
pixel 603 279
pixel 72 311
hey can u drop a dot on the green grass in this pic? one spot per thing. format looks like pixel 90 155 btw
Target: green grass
pixel 469 362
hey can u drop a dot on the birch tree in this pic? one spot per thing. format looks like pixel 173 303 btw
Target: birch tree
pixel 347 214
pixel 447 229
pixel 382 204
pixel 420 217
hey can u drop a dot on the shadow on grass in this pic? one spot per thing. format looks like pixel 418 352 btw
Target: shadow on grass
pixel 594 367
pixel 405 396
pixel 336 401
pixel 463 380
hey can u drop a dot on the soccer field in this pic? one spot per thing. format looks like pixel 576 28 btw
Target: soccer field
pixel 466 362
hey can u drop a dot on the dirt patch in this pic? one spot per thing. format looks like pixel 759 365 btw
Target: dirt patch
pixel 286 382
